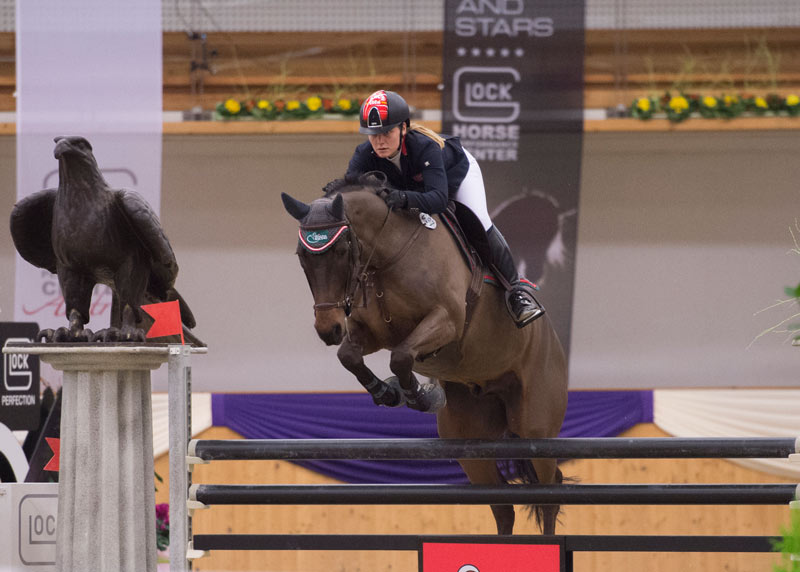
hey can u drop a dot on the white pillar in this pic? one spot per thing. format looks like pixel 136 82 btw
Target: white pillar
pixel 106 504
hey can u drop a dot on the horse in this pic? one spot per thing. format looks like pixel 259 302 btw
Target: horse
pixel 396 280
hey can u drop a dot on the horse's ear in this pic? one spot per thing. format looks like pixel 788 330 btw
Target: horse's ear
pixel 298 209
pixel 337 208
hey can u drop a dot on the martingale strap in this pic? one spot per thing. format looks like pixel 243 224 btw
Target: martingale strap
pixel 318 240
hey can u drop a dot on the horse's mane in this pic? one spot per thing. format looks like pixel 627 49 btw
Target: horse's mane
pixel 373 180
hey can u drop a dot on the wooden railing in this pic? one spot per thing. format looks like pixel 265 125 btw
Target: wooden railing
pixel 619 65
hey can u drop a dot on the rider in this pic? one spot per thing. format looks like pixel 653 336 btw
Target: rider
pixel 430 169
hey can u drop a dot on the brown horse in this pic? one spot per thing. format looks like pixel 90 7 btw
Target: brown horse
pixel 384 279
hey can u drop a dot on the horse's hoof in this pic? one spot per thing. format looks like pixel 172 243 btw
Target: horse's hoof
pixel 391 395
pixel 429 398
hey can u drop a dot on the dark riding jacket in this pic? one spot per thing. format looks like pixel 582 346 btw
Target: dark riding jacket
pixel 430 175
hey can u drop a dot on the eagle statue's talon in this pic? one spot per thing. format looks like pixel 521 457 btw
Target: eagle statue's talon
pixel 45 335
pixel 71 335
pixel 131 334
pixel 106 335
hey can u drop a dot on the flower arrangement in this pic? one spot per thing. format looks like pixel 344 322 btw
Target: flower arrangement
pixel 265 109
pixel 162 526
pixel 681 106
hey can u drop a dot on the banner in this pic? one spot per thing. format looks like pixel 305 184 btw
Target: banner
pixel 513 92
pixel 19 394
pixel 91 68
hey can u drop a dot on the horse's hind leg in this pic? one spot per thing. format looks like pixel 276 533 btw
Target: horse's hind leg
pixel 351 355
pixel 471 417
pixel 547 472
pixel 547 515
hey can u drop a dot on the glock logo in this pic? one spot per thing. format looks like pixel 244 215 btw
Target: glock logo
pixel 17 375
pixel 484 94
pixel 37 529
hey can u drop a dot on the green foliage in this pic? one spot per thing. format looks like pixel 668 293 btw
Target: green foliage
pixel 789 545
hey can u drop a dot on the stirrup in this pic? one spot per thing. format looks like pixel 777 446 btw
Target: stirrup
pixel 527 315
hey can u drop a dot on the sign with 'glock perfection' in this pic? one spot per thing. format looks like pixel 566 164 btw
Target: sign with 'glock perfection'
pixel 19 392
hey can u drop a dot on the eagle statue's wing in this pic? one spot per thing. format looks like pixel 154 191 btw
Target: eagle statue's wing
pixel 147 228
pixel 31 228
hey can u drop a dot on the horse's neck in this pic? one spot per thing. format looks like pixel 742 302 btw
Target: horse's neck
pixel 381 236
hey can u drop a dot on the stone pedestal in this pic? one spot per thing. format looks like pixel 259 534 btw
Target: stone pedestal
pixel 106 505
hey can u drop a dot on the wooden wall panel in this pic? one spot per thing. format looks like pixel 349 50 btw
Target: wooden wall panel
pixel 696 520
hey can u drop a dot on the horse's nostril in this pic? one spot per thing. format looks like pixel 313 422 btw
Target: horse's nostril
pixel 337 331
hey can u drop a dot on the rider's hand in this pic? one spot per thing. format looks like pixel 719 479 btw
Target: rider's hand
pixel 397 200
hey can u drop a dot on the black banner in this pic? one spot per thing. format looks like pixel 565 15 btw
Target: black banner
pixel 19 391
pixel 513 92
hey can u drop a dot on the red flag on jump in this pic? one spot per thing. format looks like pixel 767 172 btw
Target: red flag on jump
pixel 54 463
pixel 167 319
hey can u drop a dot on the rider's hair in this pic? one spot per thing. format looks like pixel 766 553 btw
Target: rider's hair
pixel 428 133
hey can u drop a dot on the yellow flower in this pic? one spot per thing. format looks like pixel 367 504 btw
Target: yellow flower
pixel 761 102
pixel 710 101
pixel 314 103
pixel 292 105
pixel 730 100
pixel 678 103
pixel 792 100
pixel 344 104
pixel 264 104
pixel 643 104
pixel 233 106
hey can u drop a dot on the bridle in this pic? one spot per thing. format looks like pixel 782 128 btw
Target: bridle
pixel 360 274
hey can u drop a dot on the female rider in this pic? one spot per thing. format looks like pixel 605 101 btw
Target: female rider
pixel 432 169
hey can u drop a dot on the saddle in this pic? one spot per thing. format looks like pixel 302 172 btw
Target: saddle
pixel 467 231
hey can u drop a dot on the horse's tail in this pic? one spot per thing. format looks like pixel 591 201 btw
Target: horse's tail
pixel 523 471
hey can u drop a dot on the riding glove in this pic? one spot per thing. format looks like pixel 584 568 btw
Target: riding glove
pixel 397 200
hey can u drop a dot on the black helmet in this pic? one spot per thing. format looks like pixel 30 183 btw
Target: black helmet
pixel 382 111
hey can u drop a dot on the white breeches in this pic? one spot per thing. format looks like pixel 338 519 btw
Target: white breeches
pixel 472 193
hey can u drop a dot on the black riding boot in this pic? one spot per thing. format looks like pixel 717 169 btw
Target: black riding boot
pixel 520 302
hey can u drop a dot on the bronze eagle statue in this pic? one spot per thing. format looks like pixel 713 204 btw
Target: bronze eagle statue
pixel 89 233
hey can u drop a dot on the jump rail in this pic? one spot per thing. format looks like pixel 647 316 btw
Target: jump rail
pixel 661 494
pixel 427 449
pixel 204 451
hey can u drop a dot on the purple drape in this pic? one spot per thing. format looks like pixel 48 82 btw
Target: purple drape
pixel 353 416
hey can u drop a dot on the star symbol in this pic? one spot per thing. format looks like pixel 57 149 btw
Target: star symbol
pixel 490 52
pixel 476 52
pixel 505 52
pixel 519 52
pixel 461 51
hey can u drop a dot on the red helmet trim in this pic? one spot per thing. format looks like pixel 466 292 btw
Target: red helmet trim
pixel 377 101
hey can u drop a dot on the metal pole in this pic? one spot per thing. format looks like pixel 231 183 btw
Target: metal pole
pixel 662 494
pixel 180 422
pixel 562 448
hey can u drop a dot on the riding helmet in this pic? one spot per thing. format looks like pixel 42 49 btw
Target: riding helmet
pixel 382 111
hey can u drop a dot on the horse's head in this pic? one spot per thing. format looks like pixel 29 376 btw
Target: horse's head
pixel 329 254
pixel 326 253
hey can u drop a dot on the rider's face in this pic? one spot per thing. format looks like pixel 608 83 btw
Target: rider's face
pixel 385 144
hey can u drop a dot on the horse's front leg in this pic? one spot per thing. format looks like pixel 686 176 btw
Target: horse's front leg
pixel 433 332
pixel 351 355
